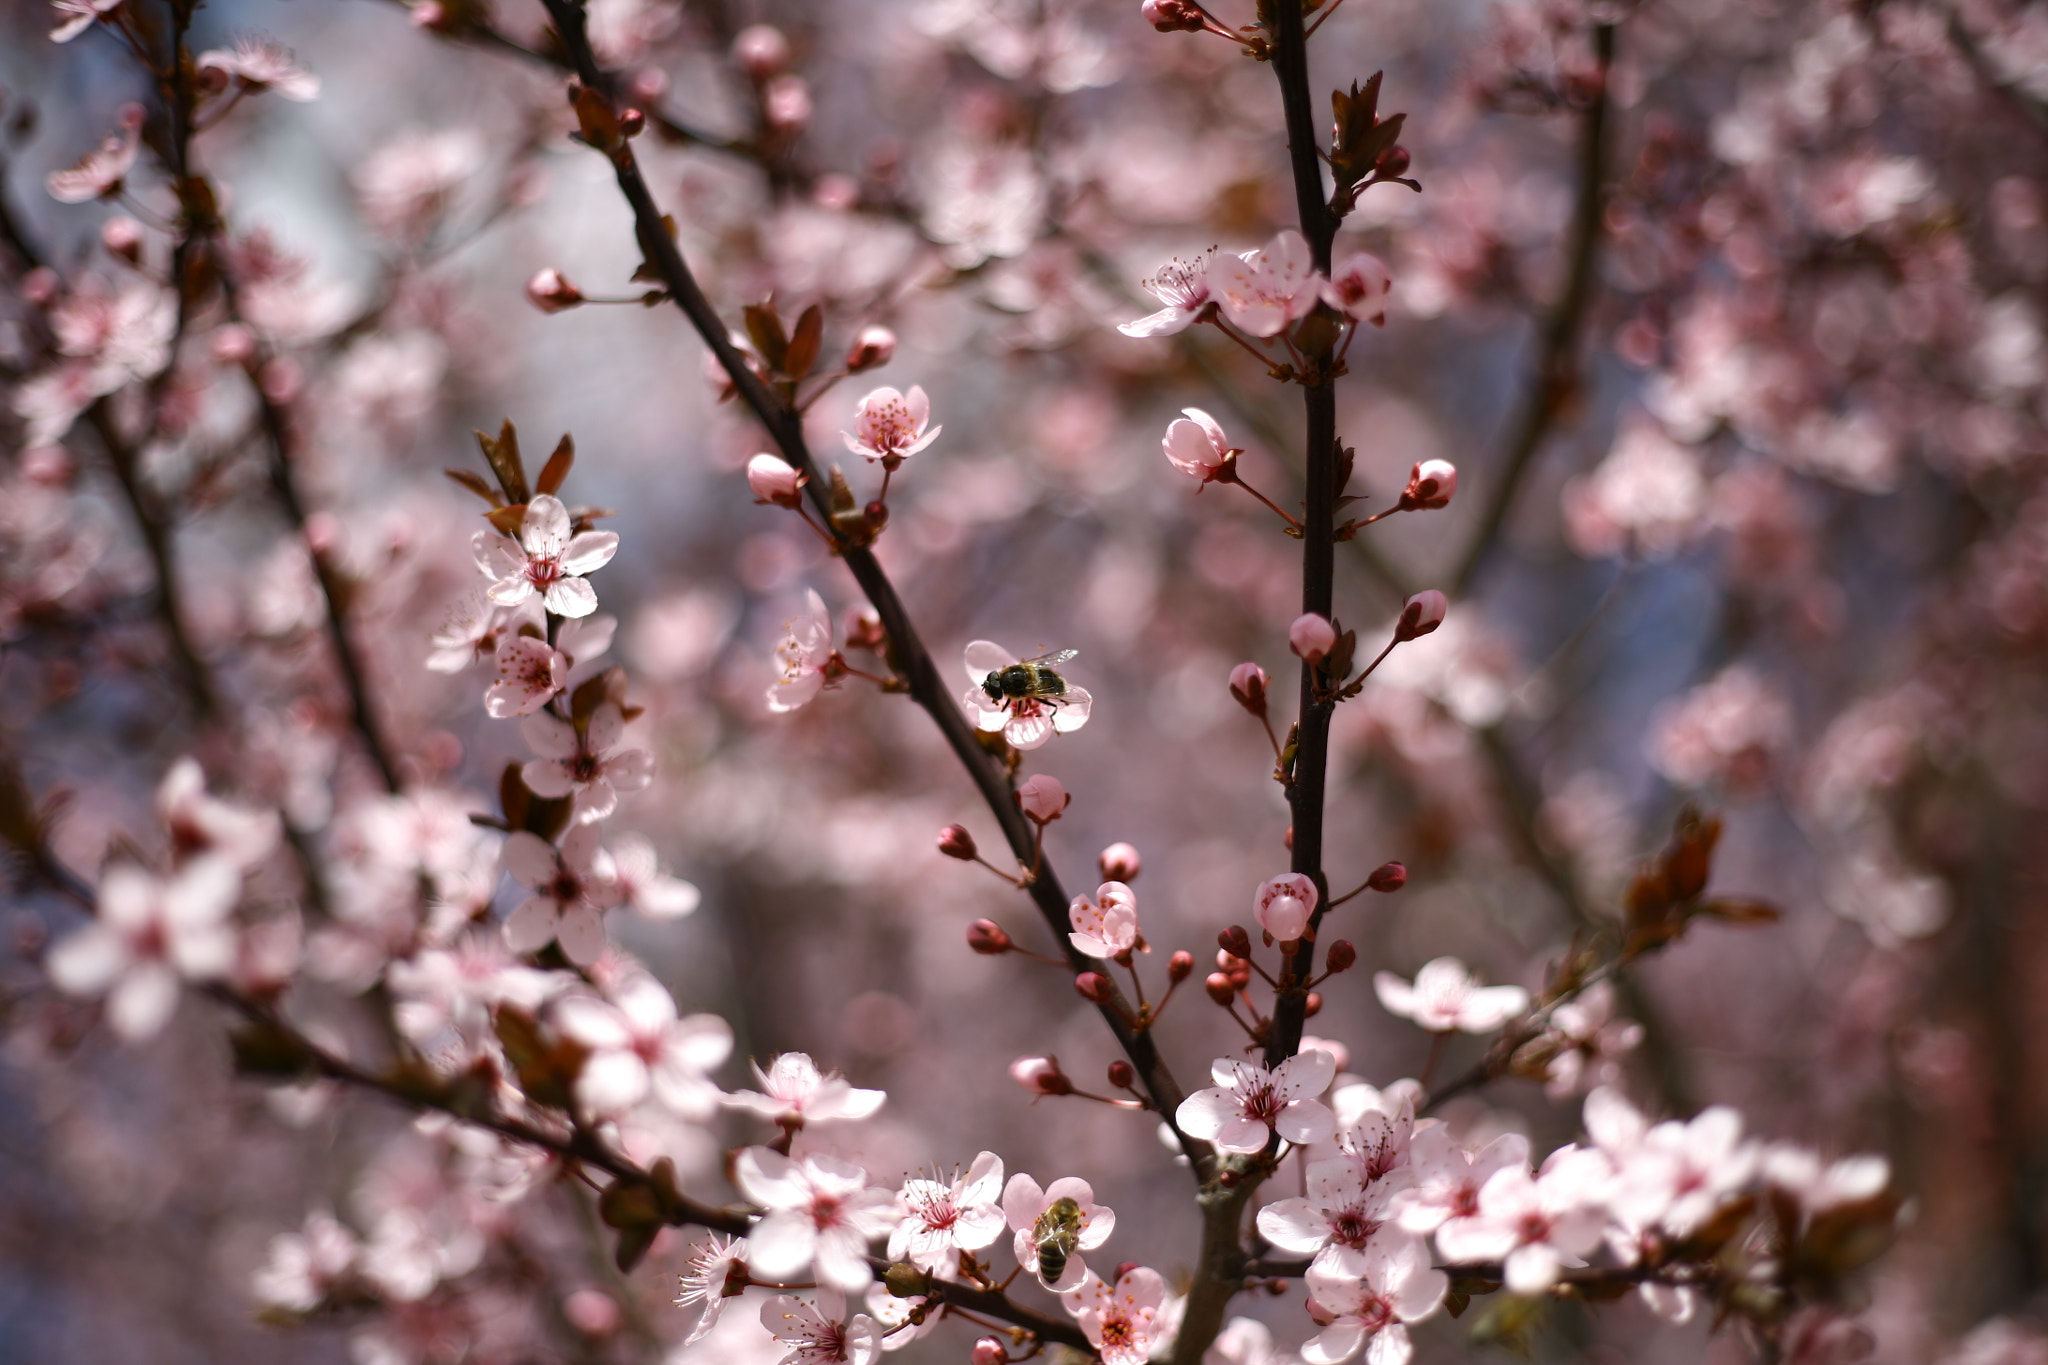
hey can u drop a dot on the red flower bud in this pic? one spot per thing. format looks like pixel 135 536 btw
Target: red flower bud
pixel 1388 877
pixel 1095 986
pixel 1180 966
pixel 1041 1076
pixel 1342 956
pixel 988 1351
pixel 1173 16
pixel 550 292
pixel 1120 863
pixel 1421 614
pixel 1122 1075
pixel 1235 941
pixel 874 346
pixel 1393 163
pixel 632 122
pixel 1220 987
pixel 864 631
pixel 956 842
pixel 986 937
pixel 1312 1006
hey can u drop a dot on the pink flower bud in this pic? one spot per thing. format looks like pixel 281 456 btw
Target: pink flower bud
pixel 1283 906
pixel 956 842
pixel 1358 288
pixel 1042 798
pixel 1119 863
pixel 1197 447
pixel 1180 966
pixel 986 937
pixel 1423 613
pixel 432 14
pixel 1393 163
pixel 1248 684
pixel 1335 1049
pixel 864 630
pixel 988 1351
pixel 1235 941
pixel 775 480
pixel 761 51
pixel 39 287
pixel 1095 986
pixel 1430 484
pixel 1173 16
pixel 592 1312
pixel 233 344
pixel 1220 987
pixel 786 103
pixel 1342 956
pixel 551 293
pixel 122 236
pixel 874 346
pixel 1041 1076
pixel 1388 877
pixel 1313 1005
pixel 1312 637
pixel 1122 1075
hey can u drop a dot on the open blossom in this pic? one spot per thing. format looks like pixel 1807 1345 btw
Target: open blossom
pixel 891 425
pixel 1263 291
pixel 806 656
pixel 1025 722
pixel 572 888
pixel 1534 1225
pixel 644 887
pixel 794 1092
pixel 1197 447
pixel 471 630
pixel 530 671
pixel 201 826
pixel 638 1046
pixel 1245 1341
pixel 150 933
pixel 1358 287
pixel 1343 1213
pixel 259 64
pixel 1447 1179
pixel 76 16
pixel 1446 997
pixel 1024 1203
pixel 1106 926
pixel 941 1218
pixel 1370 1311
pixel 100 172
pixel 1183 287
pixel 1283 905
pixel 1587 1042
pixel 304 1266
pixel 1122 1320
pixel 1676 1176
pixel 588 766
pixel 546 560
pixel 708 1267
pixel 1249 1103
pixel 821 1214
pixel 822 1335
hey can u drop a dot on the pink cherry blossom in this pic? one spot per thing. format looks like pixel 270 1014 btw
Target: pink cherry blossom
pixel 1263 291
pixel 1586 1042
pixel 530 671
pixel 1245 1341
pixel 1370 1311
pixel 1122 1320
pixel 1024 1202
pixel 1344 1211
pixel 1197 447
pixel 806 656
pixel 794 1092
pixel 1284 904
pixel 1446 997
pixel 1183 286
pixel 100 172
pixel 470 631
pixel 1358 287
pixel 546 560
pixel 304 1267
pixel 1025 722
pixel 943 1218
pixel 1249 1103
pixel 893 1317
pixel 1430 484
pixel 708 1266
pixel 890 426
pixel 638 1046
pixel 1676 1176
pixel 1042 798
pixel 76 16
pixel 1311 637
pixel 588 766
pixel 1447 1179
pixel 150 933
pixel 822 1335
pixel 258 64
pixel 200 826
pixel 572 887
pixel 875 346
pixel 820 1213
pixel 1041 1076
pixel 1533 1225
pixel 775 480
pixel 550 291
pixel 644 887
pixel 1107 925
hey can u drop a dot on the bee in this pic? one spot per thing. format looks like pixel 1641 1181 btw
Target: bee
pixel 1033 680
pixel 1057 1234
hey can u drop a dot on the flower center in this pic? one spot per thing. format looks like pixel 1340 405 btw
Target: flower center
pixel 1262 1104
pixel 1351 1228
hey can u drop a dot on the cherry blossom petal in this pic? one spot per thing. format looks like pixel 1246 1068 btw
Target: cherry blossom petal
pixel 530 858
pixel 581 934
pixel 549 736
pixel 985 657
pixel 142 1001
pixel 589 551
pixel 571 597
pixel 531 927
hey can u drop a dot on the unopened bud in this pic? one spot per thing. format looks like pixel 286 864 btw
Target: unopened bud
pixel 122 236
pixel 956 842
pixel 905 1281
pixel 1248 684
pixel 1043 799
pixel 1095 986
pixel 1342 956
pixel 1122 1075
pixel 1228 1179
pixel 1041 1076
pixel 1388 877
pixel 1235 941
pixel 786 103
pixel 1422 614
pixel 632 122
pixel 1220 987
pixel 864 630
pixel 1430 484
pixel 1173 16
pixel 1312 1006
pixel 986 937
pixel 874 346
pixel 551 292
pixel 1180 966
pixel 1119 863
pixel 761 51
pixel 1393 163
pixel 39 287
pixel 1311 637
pixel 988 1351
pixel 233 344
pixel 775 481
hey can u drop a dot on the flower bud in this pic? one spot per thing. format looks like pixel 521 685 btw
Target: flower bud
pixel 1197 447
pixel 1283 906
pixel 1173 16
pixel 988 1351
pixel 956 842
pixel 761 51
pixel 1312 637
pixel 986 937
pixel 1248 685
pixel 39 287
pixel 233 344
pixel 122 237
pixel 874 346
pixel 1342 956
pixel 775 481
pixel 1388 877
pixel 1095 986
pixel 1119 863
pixel 1041 1076
pixel 1393 163
pixel 864 630
pixel 1180 966
pixel 592 1312
pixel 1122 1075
pixel 1312 1006
pixel 1220 987
pixel 1235 941
pixel 906 1281
pixel 1042 798
pixel 786 103
pixel 1423 613
pixel 551 292
pixel 1430 484
pixel 632 122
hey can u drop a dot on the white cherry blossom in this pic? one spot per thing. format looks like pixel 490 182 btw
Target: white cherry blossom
pixel 708 1267
pixel 1370 1311
pixel 588 766
pixel 1263 291
pixel 644 887
pixel 1025 722
pixel 1446 997
pixel 1121 1321
pixel 638 1046
pixel 201 826
pixel 1107 925
pixel 820 1212
pixel 822 1335
pixel 260 64
pixel 100 172
pixel 1344 1213
pixel 795 1092
pixel 1534 1225
pixel 530 671
pixel 1183 287
pixel 150 933
pixel 1249 1103
pixel 546 560
pixel 572 887
pixel 1246 1341
pixel 304 1266
pixel 941 1218
pixel 1024 1202
pixel 805 656
pixel 1447 1179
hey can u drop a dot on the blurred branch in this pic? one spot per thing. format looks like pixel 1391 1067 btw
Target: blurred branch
pixel 914 661
pixel 2029 108
pixel 1556 369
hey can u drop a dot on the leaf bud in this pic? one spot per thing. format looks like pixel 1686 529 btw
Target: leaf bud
pixel 632 122
pixel 1180 966
pixel 1122 1074
pixel 956 842
pixel 1388 877
pixel 1095 986
pixel 1235 941
pixel 1220 987
pixel 1119 863
pixel 1393 163
pixel 905 1281
pixel 1342 955
pixel 986 937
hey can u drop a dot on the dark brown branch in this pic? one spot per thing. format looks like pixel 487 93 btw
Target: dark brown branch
pixel 1555 373
pixel 914 662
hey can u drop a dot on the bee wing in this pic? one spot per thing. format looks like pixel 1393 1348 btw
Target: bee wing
pixel 1055 659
